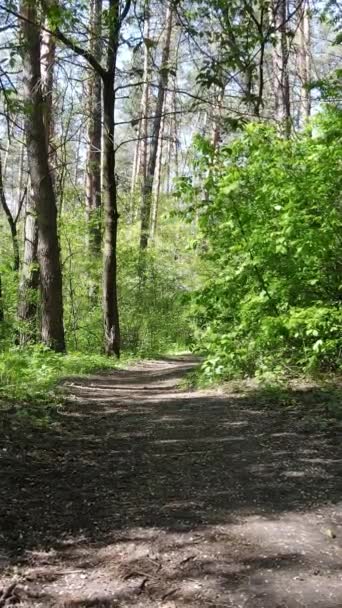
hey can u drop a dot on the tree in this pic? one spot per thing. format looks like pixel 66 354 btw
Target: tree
pixel 29 281
pixel 281 65
pixel 164 70
pixel 12 221
pixel 304 58
pixel 41 182
pixel 94 111
pixel 143 149
pixel 114 21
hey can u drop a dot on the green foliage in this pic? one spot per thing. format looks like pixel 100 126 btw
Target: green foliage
pixel 152 310
pixel 30 373
pixel 270 215
pixel 153 305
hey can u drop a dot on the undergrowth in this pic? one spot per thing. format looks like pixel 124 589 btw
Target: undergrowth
pixel 32 373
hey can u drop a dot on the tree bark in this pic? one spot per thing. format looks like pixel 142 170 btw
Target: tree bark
pixel 305 59
pixel 110 295
pixel 162 86
pixel 47 59
pixel 109 186
pixel 1 302
pixel 11 222
pixel 156 197
pixel 29 281
pixel 93 168
pixel 145 101
pixel 281 67
pixel 41 182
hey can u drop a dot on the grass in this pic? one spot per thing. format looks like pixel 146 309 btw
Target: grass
pixel 32 373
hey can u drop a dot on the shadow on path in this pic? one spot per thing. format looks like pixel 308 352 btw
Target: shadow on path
pixel 162 497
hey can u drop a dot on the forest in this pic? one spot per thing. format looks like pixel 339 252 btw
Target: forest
pixel 170 179
pixel 170 303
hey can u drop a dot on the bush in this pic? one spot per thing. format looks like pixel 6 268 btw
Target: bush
pixel 271 222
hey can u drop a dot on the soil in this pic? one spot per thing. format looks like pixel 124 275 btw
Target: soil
pixel 141 493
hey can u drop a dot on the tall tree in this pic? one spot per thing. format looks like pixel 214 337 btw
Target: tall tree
pixel 47 58
pixel 164 70
pixel 41 181
pixel 304 28
pixel 94 111
pixel 29 281
pixel 281 65
pixel 114 20
pixel 144 108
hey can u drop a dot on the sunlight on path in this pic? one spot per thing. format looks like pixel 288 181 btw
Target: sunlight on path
pixel 148 495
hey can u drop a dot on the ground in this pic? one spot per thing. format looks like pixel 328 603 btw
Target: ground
pixel 141 493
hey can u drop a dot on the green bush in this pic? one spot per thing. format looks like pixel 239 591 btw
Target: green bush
pixel 270 213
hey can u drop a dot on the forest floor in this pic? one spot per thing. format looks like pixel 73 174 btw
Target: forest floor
pixel 142 493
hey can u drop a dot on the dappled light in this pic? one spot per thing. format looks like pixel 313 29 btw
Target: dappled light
pixel 162 496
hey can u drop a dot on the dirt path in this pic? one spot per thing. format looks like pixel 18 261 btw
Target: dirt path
pixel 141 494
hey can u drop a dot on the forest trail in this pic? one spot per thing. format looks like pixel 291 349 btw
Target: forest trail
pixel 145 494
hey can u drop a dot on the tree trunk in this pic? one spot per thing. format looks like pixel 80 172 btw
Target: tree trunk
pixel 136 160
pixel 281 67
pixel 41 182
pixel 11 222
pixel 305 60
pixel 145 101
pixel 93 169
pixel 162 86
pixel 1 302
pixel 47 59
pixel 156 197
pixel 109 189
pixel 29 282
